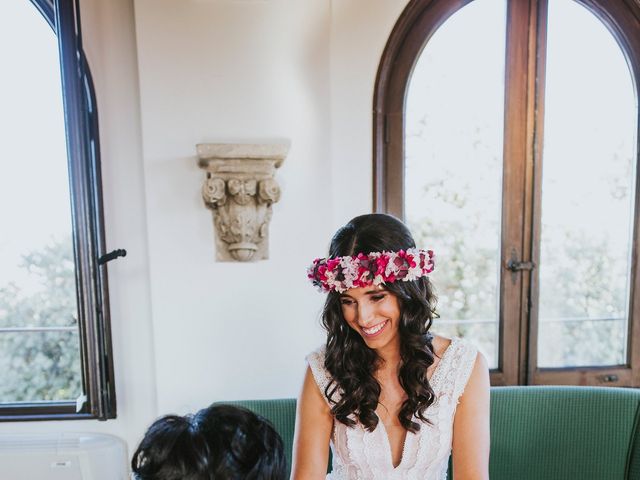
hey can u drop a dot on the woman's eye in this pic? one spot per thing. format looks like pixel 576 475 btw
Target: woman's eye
pixel 346 301
pixel 377 298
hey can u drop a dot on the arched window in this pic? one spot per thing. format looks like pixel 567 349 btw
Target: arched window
pixel 505 134
pixel 55 342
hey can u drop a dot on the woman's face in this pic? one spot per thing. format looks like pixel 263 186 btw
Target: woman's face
pixel 374 313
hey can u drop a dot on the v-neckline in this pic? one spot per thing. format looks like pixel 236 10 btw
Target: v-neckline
pixel 407 438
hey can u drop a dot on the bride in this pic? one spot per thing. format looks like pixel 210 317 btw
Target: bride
pixel 392 400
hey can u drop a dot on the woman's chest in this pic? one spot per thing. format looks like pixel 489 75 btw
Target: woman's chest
pixel 392 452
pixel 390 402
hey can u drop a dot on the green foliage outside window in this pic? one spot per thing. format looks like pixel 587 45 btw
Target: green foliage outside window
pixel 41 365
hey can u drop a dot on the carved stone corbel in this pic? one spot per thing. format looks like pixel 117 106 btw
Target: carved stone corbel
pixel 240 189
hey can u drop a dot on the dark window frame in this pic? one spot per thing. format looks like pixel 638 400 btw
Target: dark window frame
pixel 523 134
pixel 83 160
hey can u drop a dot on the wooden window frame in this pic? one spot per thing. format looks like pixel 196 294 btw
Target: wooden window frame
pixel 523 136
pixel 83 155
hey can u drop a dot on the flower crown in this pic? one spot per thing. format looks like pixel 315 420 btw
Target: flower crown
pixel 342 273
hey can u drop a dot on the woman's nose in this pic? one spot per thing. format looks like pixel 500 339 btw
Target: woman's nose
pixel 365 314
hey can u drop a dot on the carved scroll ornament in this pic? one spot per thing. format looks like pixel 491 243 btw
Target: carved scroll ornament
pixel 240 189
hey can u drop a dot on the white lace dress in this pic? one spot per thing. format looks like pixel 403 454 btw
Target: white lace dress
pixel 362 455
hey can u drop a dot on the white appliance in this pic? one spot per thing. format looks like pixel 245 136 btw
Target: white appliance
pixel 63 456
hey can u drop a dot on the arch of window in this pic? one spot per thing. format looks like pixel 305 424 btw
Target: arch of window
pixel 523 136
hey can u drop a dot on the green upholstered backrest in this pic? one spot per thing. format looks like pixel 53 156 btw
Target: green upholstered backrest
pixel 564 433
pixel 281 413
pixel 546 432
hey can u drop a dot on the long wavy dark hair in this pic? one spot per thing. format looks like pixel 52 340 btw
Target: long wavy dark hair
pixel 350 362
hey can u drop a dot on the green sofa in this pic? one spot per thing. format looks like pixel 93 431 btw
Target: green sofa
pixel 539 433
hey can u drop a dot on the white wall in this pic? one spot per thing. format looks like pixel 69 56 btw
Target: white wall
pixel 232 71
pixel 171 74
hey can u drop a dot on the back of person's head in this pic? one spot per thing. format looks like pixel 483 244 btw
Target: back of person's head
pixel 221 442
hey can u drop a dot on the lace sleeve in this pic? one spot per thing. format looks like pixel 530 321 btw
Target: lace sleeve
pixel 464 359
pixel 316 362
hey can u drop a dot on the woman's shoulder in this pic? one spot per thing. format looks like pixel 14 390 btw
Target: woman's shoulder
pixel 456 354
pixel 449 345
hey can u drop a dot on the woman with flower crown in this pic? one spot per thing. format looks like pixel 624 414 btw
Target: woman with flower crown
pixel 390 399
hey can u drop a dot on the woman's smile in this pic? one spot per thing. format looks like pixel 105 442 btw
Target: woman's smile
pixel 375 330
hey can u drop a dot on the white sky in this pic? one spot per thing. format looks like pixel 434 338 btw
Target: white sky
pixel 34 198
pixel 455 121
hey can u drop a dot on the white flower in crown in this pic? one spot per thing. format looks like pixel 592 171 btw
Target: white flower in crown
pixel 414 272
pixel 391 266
pixel 349 270
pixel 331 279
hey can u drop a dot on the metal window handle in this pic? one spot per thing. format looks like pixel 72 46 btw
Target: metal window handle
pixel 107 257
pixel 516 266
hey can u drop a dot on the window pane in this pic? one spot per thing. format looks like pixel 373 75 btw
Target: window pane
pixel 453 167
pixel 587 193
pixel 40 365
pixel 37 277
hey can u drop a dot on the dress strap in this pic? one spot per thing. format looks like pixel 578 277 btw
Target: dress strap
pixel 320 374
pixel 453 372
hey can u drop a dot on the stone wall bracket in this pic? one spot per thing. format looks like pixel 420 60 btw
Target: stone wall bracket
pixel 240 189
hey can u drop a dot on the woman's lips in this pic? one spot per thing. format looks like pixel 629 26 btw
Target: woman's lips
pixel 375 330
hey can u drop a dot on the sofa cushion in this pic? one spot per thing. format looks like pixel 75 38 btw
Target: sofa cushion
pixel 562 432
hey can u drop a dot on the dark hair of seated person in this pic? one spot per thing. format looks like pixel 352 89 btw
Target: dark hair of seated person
pixel 221 442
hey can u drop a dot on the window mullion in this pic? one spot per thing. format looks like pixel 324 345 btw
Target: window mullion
pixel 533 185
pixel 517 212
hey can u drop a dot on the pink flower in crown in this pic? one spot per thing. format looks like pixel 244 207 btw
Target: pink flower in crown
pixel 390 266
pixel 367 267
pixel 421 259
pixel 401 264
pixel 364 279
pixel 431 262
pixel 411 259
pixel 311 271
pixel 381 265
pixel 394 266
pixel 332 263
pixel 322 272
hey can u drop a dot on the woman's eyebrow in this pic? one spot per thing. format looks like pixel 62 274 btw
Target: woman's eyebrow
pixel 373 292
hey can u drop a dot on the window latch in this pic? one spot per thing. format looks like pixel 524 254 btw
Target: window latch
pixel 516 266
pixel 608 378
pixel 107 257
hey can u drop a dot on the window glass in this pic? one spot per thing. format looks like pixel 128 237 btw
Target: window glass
pixel 453 167
pixel 39 342
pixel 588 188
